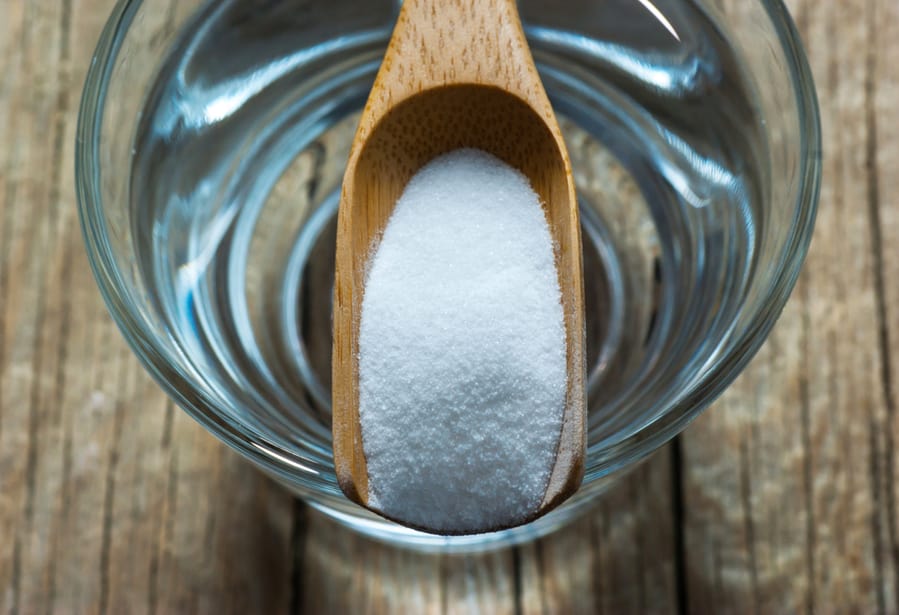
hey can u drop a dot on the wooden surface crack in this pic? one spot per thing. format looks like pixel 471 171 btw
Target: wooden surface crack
pixel 876 531
pixel 299 530
pixel 877 255
pixel 678 520
pixel 517 589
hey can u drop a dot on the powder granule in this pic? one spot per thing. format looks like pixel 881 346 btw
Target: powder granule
pixel 462 367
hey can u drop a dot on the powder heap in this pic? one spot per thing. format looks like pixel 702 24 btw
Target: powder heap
pixel 462 372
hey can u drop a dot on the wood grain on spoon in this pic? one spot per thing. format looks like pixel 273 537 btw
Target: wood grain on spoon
pixel 457 73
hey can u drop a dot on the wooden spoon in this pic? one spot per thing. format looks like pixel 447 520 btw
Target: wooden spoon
pixel 457 73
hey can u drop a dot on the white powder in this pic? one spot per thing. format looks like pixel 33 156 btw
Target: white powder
pixel 462 372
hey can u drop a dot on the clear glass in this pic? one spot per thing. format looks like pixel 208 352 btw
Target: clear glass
pixel 211 146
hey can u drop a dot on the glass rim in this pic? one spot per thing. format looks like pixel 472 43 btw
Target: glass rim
pixel 283 463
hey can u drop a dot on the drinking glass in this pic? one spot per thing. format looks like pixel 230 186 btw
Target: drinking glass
pixel 211 145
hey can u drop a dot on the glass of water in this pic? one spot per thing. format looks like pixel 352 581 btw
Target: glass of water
pixel 211 146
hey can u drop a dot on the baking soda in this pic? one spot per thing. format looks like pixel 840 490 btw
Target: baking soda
pixel 462 367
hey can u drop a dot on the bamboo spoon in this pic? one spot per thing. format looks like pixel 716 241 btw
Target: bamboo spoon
pixel 457 73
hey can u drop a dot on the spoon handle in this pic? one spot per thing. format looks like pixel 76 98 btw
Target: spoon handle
pixel 453 42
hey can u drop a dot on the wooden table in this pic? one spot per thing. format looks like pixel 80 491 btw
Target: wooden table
pixel 781 499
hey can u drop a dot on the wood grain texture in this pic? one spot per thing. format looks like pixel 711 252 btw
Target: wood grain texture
pixel 790 480
pixel 619 559
pixel 780 499
pixel 456 74
pixel 110 500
